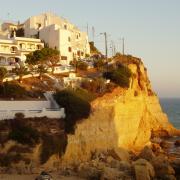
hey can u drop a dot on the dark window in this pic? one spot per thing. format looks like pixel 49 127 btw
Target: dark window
pixel 82 54
pixel 63 57
pixel 69 39
pixel 78 53
pixel 65 26
pixel 70 49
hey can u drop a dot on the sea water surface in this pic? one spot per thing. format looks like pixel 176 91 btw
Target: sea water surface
pixel 171 106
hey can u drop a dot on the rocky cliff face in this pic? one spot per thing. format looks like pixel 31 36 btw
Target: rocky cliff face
pixel 123 118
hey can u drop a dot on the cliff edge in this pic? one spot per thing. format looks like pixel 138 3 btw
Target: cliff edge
pixel 126 118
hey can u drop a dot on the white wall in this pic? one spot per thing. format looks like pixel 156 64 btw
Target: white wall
pixel 58 113
pixel 24 105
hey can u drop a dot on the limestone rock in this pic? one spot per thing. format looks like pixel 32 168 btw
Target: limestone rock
pixel 111 174
pixel 120 154
pixel 120 119
pixel 177 143
pixel 162 166
pixel 147 154
pixel 143 170
pixel 88 172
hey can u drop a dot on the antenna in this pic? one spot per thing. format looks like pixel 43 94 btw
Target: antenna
pixel 93 33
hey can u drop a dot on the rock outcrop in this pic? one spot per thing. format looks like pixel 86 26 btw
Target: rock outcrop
pixel 125 118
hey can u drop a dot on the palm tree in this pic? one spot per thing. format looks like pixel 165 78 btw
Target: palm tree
pixel 21 72
pixel 41 70
pixel 3 74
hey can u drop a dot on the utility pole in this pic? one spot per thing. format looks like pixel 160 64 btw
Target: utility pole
pixel 87 28
pixel 106 48
pixel 123 45
pixel 93 33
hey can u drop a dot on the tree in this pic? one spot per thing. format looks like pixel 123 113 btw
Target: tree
pixel 21 72
pixel 99 64
pixel 41 70
pixel 52 61
pixel 120 76
pixel 76 106
pixel 46 56
pixel 3 73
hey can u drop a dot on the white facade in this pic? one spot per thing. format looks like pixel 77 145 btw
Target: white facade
pixel 48 108
pixel 58 33
pixel 15 49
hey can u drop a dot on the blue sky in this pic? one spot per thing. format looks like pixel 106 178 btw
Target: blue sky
pixel 151 29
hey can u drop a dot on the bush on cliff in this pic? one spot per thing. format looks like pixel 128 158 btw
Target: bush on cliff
pixel 121 75
pixel 12 89
pixel 52 145
pixel 76 107
pixel 24 134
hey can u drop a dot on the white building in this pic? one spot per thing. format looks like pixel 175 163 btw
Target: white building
pixel 58 33
pixel 15 49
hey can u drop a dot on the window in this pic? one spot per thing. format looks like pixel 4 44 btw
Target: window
pixel 69 39
pixel 63 57
pixel 65 26
pixel 70 49
pixel 82 53
pixel 78 53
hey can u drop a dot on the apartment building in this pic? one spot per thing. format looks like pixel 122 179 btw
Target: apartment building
pixel 58 33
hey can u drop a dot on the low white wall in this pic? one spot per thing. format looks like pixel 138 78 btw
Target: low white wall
pixel 24 105
pixel 50 113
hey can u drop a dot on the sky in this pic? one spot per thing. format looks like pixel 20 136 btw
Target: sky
pixel 151 29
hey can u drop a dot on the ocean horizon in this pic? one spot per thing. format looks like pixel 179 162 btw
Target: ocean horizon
pixel 171 106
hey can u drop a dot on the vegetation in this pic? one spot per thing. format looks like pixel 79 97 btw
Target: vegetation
pixel 76 107
pixel 79 65
pixel 46 55
pixel 20 32
pixel 52 145
pixel 3 73
pixel 99 64
pixel 12 90
pixel 41 70
pixel 93 49
pixel 121 75
pixel 21 72
pixel 24 135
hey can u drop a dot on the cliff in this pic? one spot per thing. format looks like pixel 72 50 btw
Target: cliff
pixel 126 118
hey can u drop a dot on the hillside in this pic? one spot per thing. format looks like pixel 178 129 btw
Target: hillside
pixel 125 118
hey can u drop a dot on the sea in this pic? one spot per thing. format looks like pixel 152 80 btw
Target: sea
pixel 171 106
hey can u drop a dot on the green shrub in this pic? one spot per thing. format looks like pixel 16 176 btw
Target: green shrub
pixel 24 135
pixel 120 76
pixel 52 145
pixel 11 89
pixel 99 64
pixel 82 65
pixel 7 159
pixel 76 107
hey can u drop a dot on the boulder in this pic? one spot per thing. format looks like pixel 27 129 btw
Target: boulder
pixel 88 172
pixel 112 174
pixel 177 143
pixel 162 166
pixel 143 170
pixel 156 148
pixel 176 166
pixel 120 154
pixel 165 144
pixel 147 154
pixel 169 177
